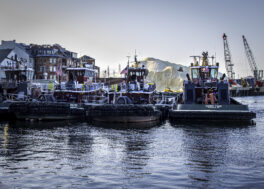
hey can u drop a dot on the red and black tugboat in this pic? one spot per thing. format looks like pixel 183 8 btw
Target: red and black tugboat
pixel 15 87
pixel 135 89
pixel 130 101
pixel 65 102
pixel 79 87
pixel 206 97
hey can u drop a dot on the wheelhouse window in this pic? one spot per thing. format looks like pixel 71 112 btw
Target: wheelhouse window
pixel 214 73
pixel 138 73
pixel 89 73
pixel 195 73
pixel 132 73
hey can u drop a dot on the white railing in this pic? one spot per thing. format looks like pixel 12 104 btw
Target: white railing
pixel 17 97
pixel 94 99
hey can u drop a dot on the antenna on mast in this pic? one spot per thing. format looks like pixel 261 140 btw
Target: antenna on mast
pixel 212 57
pixel 215 57
pixel 196 63
pixel 135 56
pixel 128 61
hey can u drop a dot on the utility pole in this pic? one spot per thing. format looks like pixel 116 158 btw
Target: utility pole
pixel 108 71
pixel 119 68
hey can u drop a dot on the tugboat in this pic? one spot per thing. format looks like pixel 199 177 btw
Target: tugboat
pixel 16 86
pixel 65 102
pixel 79 86
pixel 130 101
pixel 205 97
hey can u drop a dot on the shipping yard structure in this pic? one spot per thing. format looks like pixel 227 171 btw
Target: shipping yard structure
pixel 249 86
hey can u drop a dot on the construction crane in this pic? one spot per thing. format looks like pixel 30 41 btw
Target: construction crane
pixel 228 62
pixel 258 74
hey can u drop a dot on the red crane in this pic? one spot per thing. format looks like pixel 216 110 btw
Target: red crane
pixel 228 62
pixel 258 74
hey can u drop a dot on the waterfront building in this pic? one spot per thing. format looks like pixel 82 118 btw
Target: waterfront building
pixel 15 56
pixel 48 62
pixel 90 63
pixel 51 61
pixel 69 59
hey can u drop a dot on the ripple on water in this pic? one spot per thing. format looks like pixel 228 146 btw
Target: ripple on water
pixel 79 155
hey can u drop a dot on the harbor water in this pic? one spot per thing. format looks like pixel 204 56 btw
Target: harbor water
pixel 168 155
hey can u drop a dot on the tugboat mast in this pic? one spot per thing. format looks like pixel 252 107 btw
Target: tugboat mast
pixel 128 57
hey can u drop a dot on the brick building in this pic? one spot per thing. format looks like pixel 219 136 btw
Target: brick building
pixel 43 61
pixel 52 61
pixel 47 60
pixel 90 63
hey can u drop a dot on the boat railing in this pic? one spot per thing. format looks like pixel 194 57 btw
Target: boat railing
pixel 17 97
pixel 80 87
pixel 94 99
pixel 9 84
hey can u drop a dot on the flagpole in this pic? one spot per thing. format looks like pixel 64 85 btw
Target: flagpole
pixel 128 61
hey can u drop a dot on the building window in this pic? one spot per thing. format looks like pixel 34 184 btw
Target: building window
pixel 50 60
pixel 40 69
pixel 54 68
pixel 54 60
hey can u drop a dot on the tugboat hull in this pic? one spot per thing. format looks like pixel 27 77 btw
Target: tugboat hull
pixel 46 111
pixel 127 119
pixel 212 112
pixel 122 113
pixel 45 117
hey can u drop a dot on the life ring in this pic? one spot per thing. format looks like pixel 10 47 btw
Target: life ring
pixel 124 100
pixel 121 100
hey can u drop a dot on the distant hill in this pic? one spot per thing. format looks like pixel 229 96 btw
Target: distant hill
pixel 165 73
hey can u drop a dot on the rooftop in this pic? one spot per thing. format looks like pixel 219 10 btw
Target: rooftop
pixel 4 53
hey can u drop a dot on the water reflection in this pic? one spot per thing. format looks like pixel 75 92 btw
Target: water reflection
pixel 80 155
pixel 45 140
pixel 136 154
pixel 124 126
pixel 206 147
pixel 5 136
pixel 129 142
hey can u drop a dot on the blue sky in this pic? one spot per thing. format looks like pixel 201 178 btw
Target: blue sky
pixel 109 30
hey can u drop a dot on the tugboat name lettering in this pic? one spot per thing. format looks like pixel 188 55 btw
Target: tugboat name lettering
pixel 214 106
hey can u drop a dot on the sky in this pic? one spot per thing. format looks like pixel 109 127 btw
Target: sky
pixel 110 30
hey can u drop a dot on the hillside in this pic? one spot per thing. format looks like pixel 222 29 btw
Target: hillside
pixel 165 73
